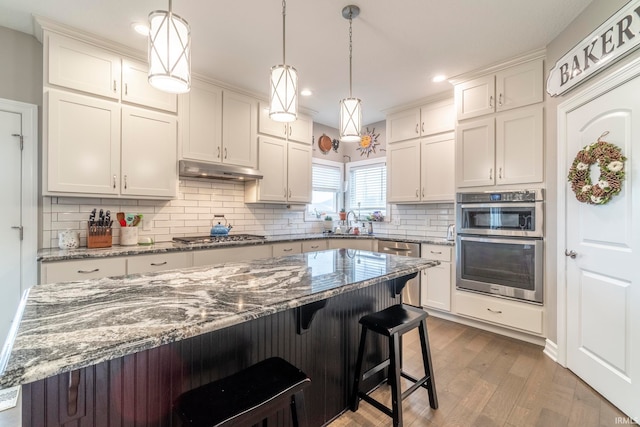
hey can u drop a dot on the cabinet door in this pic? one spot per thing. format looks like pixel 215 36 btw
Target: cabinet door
pixel 201 122
pixel 437 173
pixel 273 165
pixel 233 254
pixel 519 85
pixel 437 118
pixel 239 129
pixel 136 88
pixel 81 66
pixel 149 153
pixel 403 174
pixel 475 97
pixel 403 125
pixel 520 146
pixel 83 144
pixel 475 153
pixel 267 126
pixel 299 173
pixel 436 287
pixel 301 130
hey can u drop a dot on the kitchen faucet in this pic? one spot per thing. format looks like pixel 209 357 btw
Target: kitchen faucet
pixel 355 218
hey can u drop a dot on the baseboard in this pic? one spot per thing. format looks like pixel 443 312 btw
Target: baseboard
pixel 551 350
pixel 522 336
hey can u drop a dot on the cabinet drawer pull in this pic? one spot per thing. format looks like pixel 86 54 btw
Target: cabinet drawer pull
pixel 422 127
pixel 289 130
pixel 417 193
pixel 315 247
pixel 423 192
pixel 495 311
pixel 287 250
pixel 289 193
pixel 95 270
pixel 157 264
pixel 436 252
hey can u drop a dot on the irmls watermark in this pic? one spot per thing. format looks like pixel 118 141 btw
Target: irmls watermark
pixel 626 421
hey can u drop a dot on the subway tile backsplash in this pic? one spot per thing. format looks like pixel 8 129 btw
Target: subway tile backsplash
pixel 198 201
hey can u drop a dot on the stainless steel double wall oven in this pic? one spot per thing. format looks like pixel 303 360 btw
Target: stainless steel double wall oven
pixel 499 243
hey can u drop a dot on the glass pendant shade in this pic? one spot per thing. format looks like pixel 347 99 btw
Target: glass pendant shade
pixel 350 119
pixel 169 52
pixel 284 94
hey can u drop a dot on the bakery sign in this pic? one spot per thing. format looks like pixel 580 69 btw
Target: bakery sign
pixel 618 36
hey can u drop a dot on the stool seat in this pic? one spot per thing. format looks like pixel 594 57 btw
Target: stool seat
pixel 393 320
pixel 245 397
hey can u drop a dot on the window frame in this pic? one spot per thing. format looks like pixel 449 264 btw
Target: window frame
pixel 347 179
pixel 332 164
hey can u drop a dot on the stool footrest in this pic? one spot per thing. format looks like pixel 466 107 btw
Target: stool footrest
pixel 379 367
pixel 375 403
pixel 417 383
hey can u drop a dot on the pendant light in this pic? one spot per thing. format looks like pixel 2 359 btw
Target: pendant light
pixel 283 105
pixel 169 52
pixel 350 108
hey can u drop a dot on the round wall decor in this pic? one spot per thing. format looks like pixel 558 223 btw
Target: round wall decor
pixel 368 142
pixel 611 163
pixel 324 144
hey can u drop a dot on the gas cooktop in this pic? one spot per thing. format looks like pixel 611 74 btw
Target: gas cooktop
pixel 218 239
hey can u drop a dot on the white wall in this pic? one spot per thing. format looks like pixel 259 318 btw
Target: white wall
pixel 21 70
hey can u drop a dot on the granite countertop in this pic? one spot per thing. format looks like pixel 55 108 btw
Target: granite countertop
pixel 55 254
pixel 63 327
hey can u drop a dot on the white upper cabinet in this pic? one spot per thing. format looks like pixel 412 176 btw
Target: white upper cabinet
pixel 422 170
pixel 149 153
pixel 84 67
pixel 507 149
pixel 82 134
pixel 300 130
pixel 81 66
pixel 510 88
pixel 137 90
pixel 286 167
pixel 201 122
pixel 239 129
pixel 427 120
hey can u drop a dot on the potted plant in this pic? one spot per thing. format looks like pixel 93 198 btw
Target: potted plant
pixel 343 214
pixel 328 222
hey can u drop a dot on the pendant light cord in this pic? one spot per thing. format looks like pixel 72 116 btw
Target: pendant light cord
pixel 350 51
pixel 284 14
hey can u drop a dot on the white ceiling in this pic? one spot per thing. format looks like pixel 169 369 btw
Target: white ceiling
pixel 398 46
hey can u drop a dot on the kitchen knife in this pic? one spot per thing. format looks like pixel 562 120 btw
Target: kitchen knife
pixel 101 218
pixel 107 218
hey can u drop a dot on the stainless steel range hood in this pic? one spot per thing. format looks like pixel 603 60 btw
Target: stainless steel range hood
pixel 194 169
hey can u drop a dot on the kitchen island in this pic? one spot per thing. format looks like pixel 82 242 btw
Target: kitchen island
pixel 118 351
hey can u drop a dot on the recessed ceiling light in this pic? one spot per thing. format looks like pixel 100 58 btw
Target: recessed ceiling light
pixel 140 28
pixel 306 92
pixel 439 78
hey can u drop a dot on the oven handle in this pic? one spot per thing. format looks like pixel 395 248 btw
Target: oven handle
pixel 499 205
pixel 496 239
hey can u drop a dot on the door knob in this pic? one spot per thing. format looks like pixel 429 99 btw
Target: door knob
pixel 570 254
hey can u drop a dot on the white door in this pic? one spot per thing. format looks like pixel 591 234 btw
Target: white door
pixel 10 219
pixel 603 280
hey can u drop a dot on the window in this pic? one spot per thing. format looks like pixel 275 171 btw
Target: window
pixel 367 190
pixel 326 189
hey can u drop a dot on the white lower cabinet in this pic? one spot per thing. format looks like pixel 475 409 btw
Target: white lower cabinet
pixel 158 262
pixel 512 314
pixel 287 248
pixel 436 283
pixel 315 245
pixel 233 254
pixel 72 270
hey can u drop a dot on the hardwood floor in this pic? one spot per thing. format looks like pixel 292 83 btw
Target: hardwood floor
pixel 483 380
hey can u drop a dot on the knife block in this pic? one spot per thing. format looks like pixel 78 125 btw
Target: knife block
pixel 99 236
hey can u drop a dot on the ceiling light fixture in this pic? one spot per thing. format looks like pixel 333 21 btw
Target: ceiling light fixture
pixel 350 108
pixel 439 78
pixel 306 92
pixel 169 52
pixel 140 28
pixel 284 85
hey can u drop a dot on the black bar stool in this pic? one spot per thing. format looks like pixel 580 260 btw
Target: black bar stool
pixel 393 322
pixel 246 397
